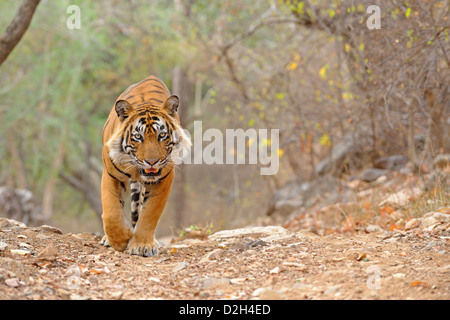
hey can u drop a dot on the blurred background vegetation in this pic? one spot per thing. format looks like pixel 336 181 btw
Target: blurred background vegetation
pixel 312 69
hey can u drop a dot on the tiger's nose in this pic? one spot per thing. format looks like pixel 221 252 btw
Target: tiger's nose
pixel 151 161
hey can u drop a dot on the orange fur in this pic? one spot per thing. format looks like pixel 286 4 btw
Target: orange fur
pixel 125 159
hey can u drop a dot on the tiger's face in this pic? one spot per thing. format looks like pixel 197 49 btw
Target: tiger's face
pixel 146 140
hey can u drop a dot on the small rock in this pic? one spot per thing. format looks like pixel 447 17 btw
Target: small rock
pixel 24 245
pixel 298 266
pixel 257 292
pixel 272 233
pixel 49 229
pixel 399 275
pixel 13 282
pixel 401 198
pixel 181 266
pixel 275 270
pixel 269 294
pixel 412 224
pixel 48 252
pixel 256 243
pixel 117 295
pixel 20 252
pixel 42 236
pixel 371 228
pixel 428 222
pixel 396 215
pixel 372 174
pixel 21 236
pixel 209 283
pixel 339 259
pixel 3 246
pixel 213 255
pixel 238 280
pixel 4 222
pixel 332 290
pixel 439 216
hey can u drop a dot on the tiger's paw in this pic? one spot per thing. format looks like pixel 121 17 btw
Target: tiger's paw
pixel 119 245
pixel 105 242
pixel 144 249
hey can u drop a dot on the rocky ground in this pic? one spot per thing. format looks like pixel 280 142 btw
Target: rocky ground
pixel 268 262
pixel 383 234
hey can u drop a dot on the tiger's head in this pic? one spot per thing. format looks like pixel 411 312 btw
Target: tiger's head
pixel 146 138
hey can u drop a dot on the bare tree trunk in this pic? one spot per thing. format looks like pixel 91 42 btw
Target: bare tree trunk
pixel 49 189
pixel 17 162
pixel 436 131
pixel 411 144
pixel 17 28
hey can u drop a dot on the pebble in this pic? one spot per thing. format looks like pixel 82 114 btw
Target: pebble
pixel 3 246
pixel 25 245
pixel 181 266
pixel 13 282
pixel 256 243
pixel 209 283
pixel 269 294
pixel 399 275
pixel 412 224
pixel 371 228
pixel 212 255
pixel 50 229
pixel 275 270
pixel 332 290
pixel 299 266
pixel 20 252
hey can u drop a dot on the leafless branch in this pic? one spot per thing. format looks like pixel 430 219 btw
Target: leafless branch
pixel 17 28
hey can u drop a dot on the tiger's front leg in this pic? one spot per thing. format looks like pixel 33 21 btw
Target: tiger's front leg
pixel 143 242
pixel 116 226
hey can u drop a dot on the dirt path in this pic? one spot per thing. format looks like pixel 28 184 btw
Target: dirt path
pixel 252 263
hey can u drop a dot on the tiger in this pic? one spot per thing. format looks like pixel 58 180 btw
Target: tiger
pixel 139 137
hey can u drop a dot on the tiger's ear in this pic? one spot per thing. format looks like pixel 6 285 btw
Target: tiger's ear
pixel 171 105
pixel 123 109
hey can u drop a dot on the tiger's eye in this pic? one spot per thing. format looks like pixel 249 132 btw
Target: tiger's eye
pixel 137 136
pixel 162 135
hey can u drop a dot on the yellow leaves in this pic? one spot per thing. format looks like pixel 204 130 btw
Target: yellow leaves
pixel 331 13
pixel 280 152
pixel 301 8
pixel 280 95
pixel 292 66
pixel 347 96
pixel 347 48
pixel 323 72
pixel 325 140
pixel 408 12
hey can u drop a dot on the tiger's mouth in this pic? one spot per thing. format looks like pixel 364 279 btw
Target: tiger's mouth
pixel 150 172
